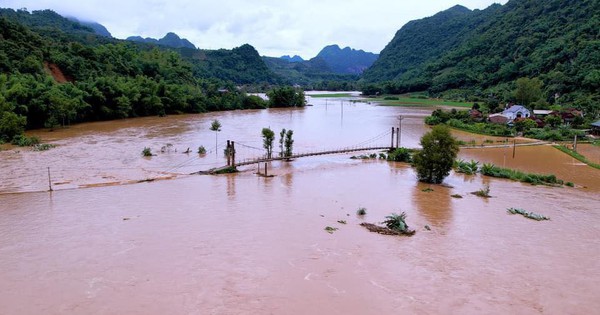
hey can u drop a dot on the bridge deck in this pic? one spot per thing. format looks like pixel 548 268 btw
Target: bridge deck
pixel 293 156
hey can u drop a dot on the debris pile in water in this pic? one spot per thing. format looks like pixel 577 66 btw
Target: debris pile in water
pixel 527 214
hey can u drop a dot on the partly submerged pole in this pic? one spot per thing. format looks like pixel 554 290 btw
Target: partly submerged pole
pixel 392 145
pixel 233 153
pixel 514 147
pixel 49 180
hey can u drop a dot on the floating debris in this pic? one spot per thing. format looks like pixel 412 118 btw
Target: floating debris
pixel 527 214
pixel 427 228
pixel 456 196
pixel 342 221
pixel 330 229
pixel 385 231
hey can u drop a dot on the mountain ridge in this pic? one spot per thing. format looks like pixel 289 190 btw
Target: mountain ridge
pixel 170 40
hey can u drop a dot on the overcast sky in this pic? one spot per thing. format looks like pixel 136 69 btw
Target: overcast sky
pixel 273 27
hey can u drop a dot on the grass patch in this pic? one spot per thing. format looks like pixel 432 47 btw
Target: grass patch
pixel 334 95
pixel 457 196
pixel 428 189
pixel 531 178
pixel 527 214
pixel 577 156
pixel 411 101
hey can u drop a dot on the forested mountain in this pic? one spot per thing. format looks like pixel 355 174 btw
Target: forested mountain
pixel 347 60
pixel 54 72
pixel 97 27
pixel 296 58
pixel 422 41
pixel 482 53
pixel 170 40
pixel 332 69
pixel 242 65
pixel 310 74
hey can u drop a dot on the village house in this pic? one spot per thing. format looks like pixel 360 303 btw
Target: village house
pixel 516 111
pixel 509 115
pixel 542 113
pixel 595 128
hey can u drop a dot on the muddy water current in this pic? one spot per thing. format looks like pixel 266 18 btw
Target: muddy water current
pixel 243 244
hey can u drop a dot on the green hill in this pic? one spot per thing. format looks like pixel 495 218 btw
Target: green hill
pixel 54 71
pixel 482 52
pixel 347 60
pixel 170 40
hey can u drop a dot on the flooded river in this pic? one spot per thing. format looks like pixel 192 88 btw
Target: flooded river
pixel 243 244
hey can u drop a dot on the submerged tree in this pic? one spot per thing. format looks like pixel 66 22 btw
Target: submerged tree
pixel 268 137
pixel 281 140
pixel 216 127
pixel 435 160
pixel 288 143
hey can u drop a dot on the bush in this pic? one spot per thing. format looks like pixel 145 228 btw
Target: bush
pixel 469 168
pixel 43 147
pixel 483 192
pixel 391 98
pixel 361 211
pixel 400 155
pixel 24 141
pixel 201 150
pixel 146 152
pixel 11 125
pixel 396 222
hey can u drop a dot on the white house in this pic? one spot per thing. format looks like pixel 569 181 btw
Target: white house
pixel 516 111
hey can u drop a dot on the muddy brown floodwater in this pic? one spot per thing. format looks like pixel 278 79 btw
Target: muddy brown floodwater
pixel 243 244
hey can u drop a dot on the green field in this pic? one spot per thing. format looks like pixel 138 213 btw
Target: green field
pixel 409 101
pixel 330 95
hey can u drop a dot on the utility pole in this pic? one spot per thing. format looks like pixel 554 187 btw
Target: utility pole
pixel 514 147
pixel 399 142
pixel 233 153
pixel 49 180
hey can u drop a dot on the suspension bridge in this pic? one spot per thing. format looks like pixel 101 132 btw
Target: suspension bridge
pixel 374 143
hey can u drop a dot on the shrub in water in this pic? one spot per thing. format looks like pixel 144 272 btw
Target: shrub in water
pixel 147 151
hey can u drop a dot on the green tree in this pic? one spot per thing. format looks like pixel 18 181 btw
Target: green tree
pixel 525 124
pixel 268 137
pixel 281 141
pixel 553 120
pixel 286 96
pixel 11 125
pixel 216 127
pixel 435 160
pixel 528 90
pixel 288 143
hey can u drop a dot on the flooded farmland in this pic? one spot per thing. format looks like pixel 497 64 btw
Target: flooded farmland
pixel 244 244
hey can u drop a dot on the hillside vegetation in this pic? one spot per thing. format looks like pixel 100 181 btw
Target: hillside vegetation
pixel 105 78
pixel 480 54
